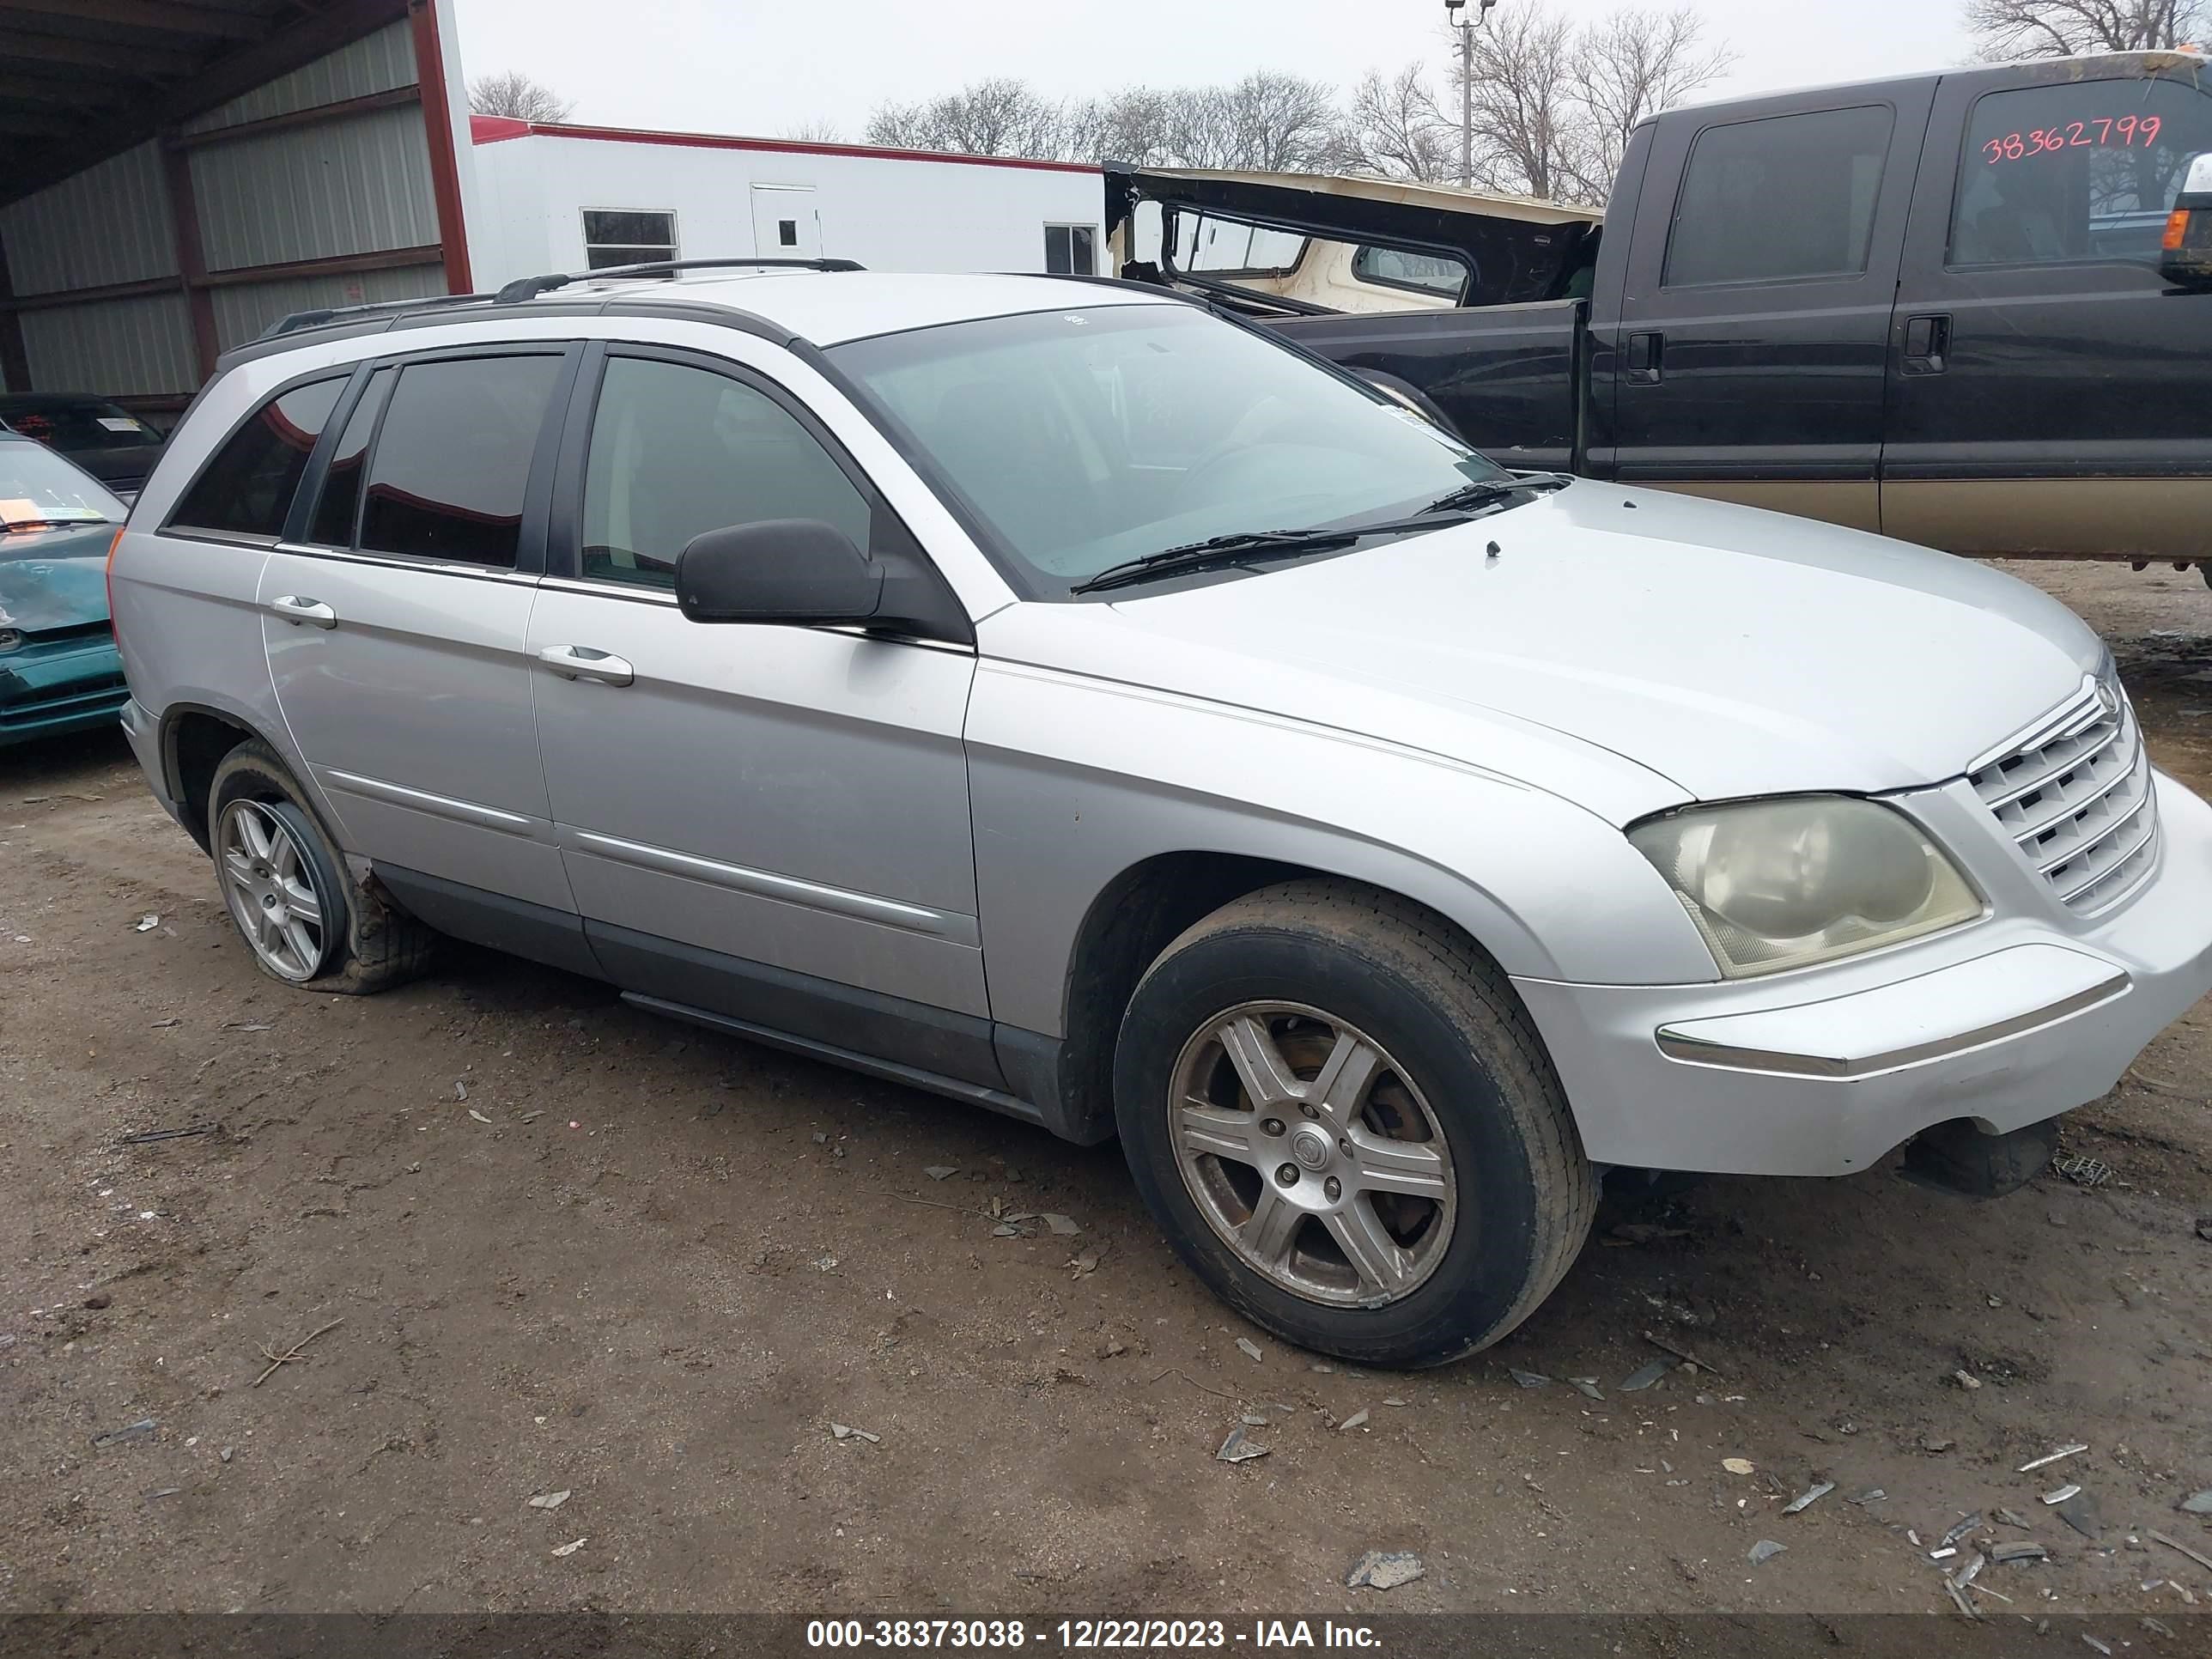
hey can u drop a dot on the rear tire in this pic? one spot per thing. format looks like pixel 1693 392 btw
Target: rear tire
pixel 304 918
pixel 1404 1183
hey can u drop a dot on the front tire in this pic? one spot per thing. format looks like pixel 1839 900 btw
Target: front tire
pixel 304 918
pixel 1340 1114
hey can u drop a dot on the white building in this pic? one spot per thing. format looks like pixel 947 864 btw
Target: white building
pixel 551 198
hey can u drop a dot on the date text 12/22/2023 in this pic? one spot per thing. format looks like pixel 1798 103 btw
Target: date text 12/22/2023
pixel 1088 1635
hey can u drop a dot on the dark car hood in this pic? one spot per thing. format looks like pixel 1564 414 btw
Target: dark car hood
pixel 54 578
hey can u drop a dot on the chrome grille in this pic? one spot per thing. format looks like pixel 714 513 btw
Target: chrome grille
pixel 2074 792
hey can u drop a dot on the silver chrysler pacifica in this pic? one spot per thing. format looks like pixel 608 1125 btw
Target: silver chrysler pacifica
pixel 1062 697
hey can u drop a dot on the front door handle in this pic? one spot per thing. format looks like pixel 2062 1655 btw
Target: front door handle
pixel 294 609
pixel 581 662
pixel 1647 356
pixel 1926 343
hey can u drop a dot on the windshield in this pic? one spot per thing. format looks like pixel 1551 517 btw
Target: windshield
pixel 74 426
pixel 1079 439
pixel 38 487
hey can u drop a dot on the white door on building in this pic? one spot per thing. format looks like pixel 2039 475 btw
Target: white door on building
pixel 786 225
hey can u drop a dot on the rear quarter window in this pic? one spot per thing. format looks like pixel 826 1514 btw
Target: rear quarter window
pixel 2082 171
pixel 247 489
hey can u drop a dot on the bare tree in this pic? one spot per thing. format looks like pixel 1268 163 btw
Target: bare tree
pixel 511 93
pixel 820 130
pixel 1524 121
pixel 1393 128
pixel 989 118
pixel 1279 123
pixel 1133 125
pixel 2067 28
pixel 1630 66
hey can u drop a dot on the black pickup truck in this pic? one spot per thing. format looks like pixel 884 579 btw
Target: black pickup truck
pixel 1956 308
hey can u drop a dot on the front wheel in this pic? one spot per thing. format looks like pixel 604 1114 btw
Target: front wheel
pixel 1342 1115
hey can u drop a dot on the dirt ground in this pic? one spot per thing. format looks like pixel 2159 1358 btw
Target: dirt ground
pixel 649 1269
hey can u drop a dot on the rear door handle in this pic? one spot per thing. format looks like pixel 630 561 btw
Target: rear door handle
pixel 581 662
pixel 1647 356
pixel 1926 343
pixel 314 612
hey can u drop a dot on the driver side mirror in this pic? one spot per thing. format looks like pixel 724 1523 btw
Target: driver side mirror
pixel 796 571
pixel 2185 254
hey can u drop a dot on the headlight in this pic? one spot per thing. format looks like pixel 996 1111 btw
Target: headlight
pixel 1779 884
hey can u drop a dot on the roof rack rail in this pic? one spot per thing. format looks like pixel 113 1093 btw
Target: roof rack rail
pixel 297 321
pixel 524 288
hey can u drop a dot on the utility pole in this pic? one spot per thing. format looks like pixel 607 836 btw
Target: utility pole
pixel 1466 28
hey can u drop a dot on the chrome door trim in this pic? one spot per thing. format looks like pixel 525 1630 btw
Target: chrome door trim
pixel 1676 1044
pixel 762 884
pixel 483 572
pixel 419 800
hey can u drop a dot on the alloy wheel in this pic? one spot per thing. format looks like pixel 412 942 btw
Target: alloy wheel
pixel 268 882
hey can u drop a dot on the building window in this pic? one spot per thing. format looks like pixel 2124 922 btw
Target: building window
pixel 1071 250
pixel 623 236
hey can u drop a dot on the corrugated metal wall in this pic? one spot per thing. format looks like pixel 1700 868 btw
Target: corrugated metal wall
pixel 359 185
pixel 242 313
pixel 108 224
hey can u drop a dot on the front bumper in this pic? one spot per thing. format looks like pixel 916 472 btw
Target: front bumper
pixel 71 685
pixel 1825 1072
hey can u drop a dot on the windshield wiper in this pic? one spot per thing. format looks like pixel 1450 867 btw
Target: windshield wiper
pixel 1485 491
pixel 1244 545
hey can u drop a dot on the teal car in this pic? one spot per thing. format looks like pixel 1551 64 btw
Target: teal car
pixel 60 671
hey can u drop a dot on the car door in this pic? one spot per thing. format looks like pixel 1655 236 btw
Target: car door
pixel 768 822
pixel 395 613
pixel 1748 359
pixel 2047 386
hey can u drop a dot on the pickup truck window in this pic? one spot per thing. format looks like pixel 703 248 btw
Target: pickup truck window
pixel 1789 196
pixel 1079 439
pixel 2087 171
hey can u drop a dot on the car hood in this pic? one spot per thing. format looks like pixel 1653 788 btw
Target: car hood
pixel 54 578
pixel 1732 651
pixel 125 466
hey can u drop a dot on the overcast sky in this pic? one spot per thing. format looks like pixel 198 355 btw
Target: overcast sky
pixel 762 66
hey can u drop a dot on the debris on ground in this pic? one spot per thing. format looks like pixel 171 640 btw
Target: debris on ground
pixel 2080 1512
pixel 2062 1494
pixel 942 1171
pixel 1587 1387
pixel 2203 1561
pixel 147 924
pixel 148 1137
pixel 278 1361
pixel 1738 1465
pixel 1250 1348
pixel 1936 1445
pixel 1764 1551
pixel 1959 1529
pixel 1393 1399
pixel 2019 1550
pixel 550 1500
pixel 570 1549
pixel 1064 1225
pixel 1238 1448
pixel 2157 1626
pixel 461 1088
pixel 1357 1420
pixel 2083 1170
pixel 1253 1420
pixel 846 1432
pixel 1871 1495
pixel 1644 1375
pixel 2013 1518
pixel 2052 1457
pixel 144 1429
pixel 478 1115
pixel 2197 1503
pixel 2204 1228
pixel 1680 1353
pixel 1641 1232
pixel 1527 1379
pixel 1806 1499
pixel 1385 1569
pixel 1959 1600
pixel 1084 1264
pixel 2102 1647
pixel 1966 1379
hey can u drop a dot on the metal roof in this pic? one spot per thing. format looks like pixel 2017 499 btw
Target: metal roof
pixel 84 80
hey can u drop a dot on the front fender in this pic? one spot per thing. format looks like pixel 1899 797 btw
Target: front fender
pixel 1074 780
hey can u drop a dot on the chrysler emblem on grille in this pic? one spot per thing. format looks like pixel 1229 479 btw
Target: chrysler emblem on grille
pixel 2108 700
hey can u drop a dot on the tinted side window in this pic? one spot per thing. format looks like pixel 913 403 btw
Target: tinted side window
pixel 2085 171
pixel 247 489
pixel 1790 196
pixel 677 451
pixel 452 459
pixel 341 499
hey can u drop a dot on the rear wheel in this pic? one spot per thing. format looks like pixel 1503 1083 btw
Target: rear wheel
pixel 304 916
pixel 1340 1114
